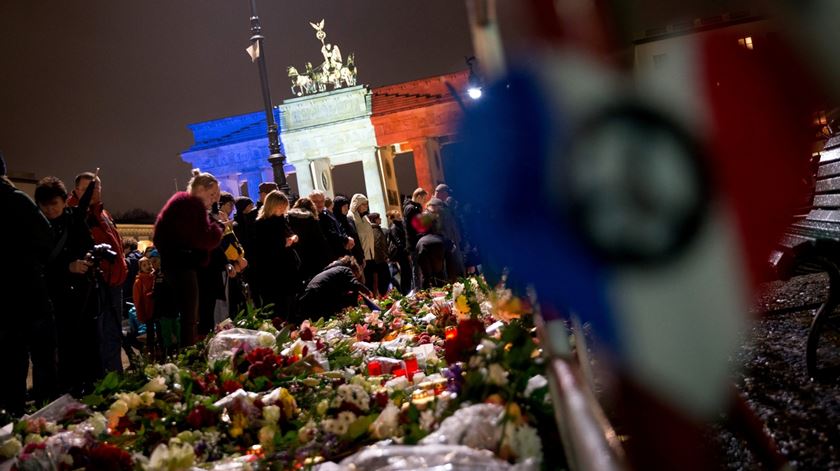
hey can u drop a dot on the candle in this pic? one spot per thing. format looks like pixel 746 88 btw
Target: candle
pixel 399 372
pixel 410 363
pixel 374 368
pixel 451 332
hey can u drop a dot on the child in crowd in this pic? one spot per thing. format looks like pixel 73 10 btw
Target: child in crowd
pixel 163 330
pixel 143 293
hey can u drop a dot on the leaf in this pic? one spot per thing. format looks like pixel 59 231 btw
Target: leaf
pixel 109 383
pixel 360 427
pixel 93 400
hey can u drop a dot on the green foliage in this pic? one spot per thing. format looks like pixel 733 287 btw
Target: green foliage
pixel 360 427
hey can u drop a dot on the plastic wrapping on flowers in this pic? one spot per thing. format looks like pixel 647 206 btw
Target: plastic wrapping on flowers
pixel 436 374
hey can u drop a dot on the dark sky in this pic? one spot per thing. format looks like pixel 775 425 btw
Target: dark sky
pixel 113 83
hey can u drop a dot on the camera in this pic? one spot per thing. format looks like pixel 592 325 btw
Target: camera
pixel 101 252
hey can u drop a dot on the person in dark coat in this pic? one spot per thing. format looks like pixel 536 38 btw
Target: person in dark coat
pixel 275 264
pixel 312 248
pixel 381 272
pixel 341 206
pixel 27 328
pixel 338 241
pixel 436 255
pixel 242 223
pixel 71 281
pixel 412 209
pixel 185 237
pixel 397 251
pixel 334 289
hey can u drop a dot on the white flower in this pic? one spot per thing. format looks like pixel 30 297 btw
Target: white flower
pixel 427 420
pixel 346 417
pixel 98 423
pixel 271 414
pixel 307 433
pixel 265 339
pixel 10 448
pixel 156 385
pixel 457 290
pixel 525 443
pixel 497 375
pixel 266 327
pixel 387 424
pixel 175 457
pixel 352 394
pixel 537 382
pixel 398 383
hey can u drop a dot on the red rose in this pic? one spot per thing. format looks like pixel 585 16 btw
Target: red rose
pixel 200 417
pixel 107 457
pixel 231 385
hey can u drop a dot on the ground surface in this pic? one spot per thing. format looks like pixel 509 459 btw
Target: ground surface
pixel 802 415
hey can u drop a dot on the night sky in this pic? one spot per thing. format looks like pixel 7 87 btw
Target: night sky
pixel 114 83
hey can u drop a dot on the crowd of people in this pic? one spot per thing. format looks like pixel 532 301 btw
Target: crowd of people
pixel 71 287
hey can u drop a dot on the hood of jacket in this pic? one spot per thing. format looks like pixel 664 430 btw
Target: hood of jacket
pixel 338 203
pixel 358 200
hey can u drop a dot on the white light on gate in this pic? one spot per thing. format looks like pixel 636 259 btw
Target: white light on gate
pixel 474 93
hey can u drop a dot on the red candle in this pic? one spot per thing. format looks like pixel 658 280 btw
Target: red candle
pixel 374 368
pixel 410 363
pixel 399 372
pixel 451 332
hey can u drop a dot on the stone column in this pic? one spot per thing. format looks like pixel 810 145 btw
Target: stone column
pixel 373 183
pixel 304 177
pixel 427 163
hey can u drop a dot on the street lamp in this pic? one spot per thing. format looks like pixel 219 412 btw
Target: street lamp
pixel 276 159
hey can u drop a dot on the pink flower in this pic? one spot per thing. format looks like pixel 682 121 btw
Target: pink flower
pixel 362 333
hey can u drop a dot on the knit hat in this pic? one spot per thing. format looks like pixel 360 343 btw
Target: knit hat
pixel 241 203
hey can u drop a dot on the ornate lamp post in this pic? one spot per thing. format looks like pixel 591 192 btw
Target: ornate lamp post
pixel 276 159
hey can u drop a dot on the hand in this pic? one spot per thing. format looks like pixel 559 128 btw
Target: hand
pixel 291 240
pixel 80 267
pixel 231 270
pixel 350 243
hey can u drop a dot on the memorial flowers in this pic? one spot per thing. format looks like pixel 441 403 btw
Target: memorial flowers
pixel 260 392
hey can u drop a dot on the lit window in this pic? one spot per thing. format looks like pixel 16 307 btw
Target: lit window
pixel 746 42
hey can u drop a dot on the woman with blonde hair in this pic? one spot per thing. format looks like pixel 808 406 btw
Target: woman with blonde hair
pixel 275 264
pixel 185 236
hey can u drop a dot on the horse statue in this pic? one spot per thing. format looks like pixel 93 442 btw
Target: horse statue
pixel 303 83
pixel 347 74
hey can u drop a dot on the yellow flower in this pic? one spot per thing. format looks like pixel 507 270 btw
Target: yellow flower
pixel 287 404
pixel 462 304
pixel 237 424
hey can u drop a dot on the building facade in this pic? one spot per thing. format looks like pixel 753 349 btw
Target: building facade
pixel 326 135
